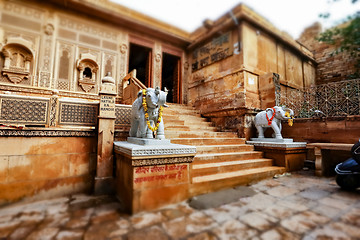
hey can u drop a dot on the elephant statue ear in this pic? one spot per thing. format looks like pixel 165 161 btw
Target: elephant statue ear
pixel 157 90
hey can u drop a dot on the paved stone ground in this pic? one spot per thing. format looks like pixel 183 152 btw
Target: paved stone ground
pixel 299 206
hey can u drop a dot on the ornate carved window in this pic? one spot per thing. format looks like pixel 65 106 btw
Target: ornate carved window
pixel 88 68
pixel 18 58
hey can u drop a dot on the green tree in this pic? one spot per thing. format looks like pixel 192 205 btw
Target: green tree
pixel 346 37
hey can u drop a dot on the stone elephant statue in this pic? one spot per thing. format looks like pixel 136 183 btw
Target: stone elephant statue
pixel 145 121
pixel 272 117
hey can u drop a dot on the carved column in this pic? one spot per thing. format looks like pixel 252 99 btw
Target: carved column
pixel 104 181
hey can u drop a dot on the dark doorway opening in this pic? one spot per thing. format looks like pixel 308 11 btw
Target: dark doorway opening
pixel 171 77
pixel 140 59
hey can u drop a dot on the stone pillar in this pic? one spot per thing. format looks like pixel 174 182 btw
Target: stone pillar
pixel 104 182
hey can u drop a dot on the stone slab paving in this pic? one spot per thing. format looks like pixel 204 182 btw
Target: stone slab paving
pixel 296 206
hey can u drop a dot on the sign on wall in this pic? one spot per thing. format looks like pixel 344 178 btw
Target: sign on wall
pixel 216 50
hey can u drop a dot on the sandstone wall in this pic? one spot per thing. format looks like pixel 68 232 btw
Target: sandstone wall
pixel 265 54
pixel 330 67
pixel 43 167
pixel 334 130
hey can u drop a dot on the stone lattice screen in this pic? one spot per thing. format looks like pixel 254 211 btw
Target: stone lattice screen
pixel 84 114
pixel 326 100
pixel 46 112
pixel 122 113
pixel 24 110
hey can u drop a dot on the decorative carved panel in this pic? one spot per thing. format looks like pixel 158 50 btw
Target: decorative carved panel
pixel 45 74
pixel 85 27
pixel 78 114
pixel 64 67
pixel 18 110
pixel 325 100
pixel 123 114
pixel 24 11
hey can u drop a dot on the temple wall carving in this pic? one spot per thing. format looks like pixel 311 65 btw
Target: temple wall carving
pixel 50 52
pixel 55 42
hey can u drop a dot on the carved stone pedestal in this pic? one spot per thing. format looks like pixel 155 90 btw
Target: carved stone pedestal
pixel 151 175
pixel 285 152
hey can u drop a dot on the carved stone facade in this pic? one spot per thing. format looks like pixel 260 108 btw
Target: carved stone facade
pixel 45 47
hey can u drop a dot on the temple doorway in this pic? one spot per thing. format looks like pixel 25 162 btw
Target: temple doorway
pixel 140 59
pixel 171 77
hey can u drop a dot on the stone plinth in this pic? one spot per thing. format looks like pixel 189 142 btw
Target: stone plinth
pixel 151 175
pixel 285 152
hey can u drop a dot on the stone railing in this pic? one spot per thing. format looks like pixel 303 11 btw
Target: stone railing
pixel 46 115
pixel 131 87
pixel 326 100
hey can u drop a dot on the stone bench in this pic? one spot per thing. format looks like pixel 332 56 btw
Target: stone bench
pixel 327 155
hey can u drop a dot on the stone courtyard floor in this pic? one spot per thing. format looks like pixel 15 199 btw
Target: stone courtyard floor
pixel 296 206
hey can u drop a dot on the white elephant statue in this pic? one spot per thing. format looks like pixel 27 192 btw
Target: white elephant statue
pixel 146 114
pixel 272 117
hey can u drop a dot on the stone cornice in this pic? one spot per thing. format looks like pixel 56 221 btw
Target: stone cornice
pixel 6 132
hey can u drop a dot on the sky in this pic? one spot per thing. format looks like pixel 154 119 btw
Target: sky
pixel 291 16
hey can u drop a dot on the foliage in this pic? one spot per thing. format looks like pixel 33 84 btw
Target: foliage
pixel 346 37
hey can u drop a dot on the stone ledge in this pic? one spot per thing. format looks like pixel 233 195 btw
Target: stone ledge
pixel 284 140
pixel 166 150
pixel 147 141
pixel 278 144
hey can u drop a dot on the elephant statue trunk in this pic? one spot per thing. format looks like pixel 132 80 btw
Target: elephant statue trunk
pixel 272 117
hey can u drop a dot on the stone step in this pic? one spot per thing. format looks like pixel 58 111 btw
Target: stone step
pixel 176 127
pixel 187 119
pixel 194 124
pixel 223 148
pixel 208 141
pixel 192 127
pixel 215 182
pixel 202 169
pixel 197 134
pixel 172 122
pixel 181 113
pixel 187 122
pixel 222 157
pixel 179 106
pixel 191 112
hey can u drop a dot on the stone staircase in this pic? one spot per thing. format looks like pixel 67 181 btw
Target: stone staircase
pixel 222 160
